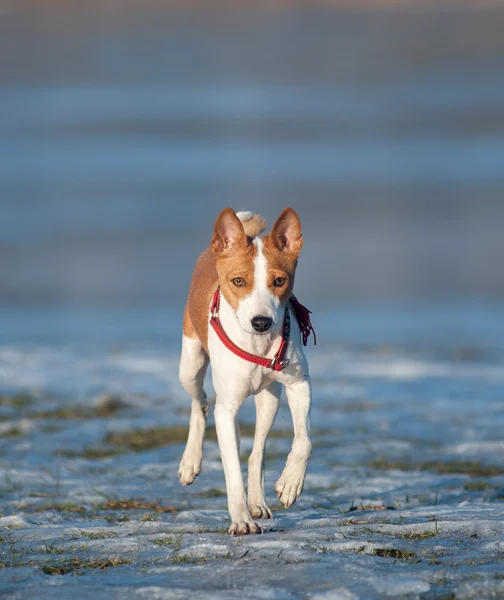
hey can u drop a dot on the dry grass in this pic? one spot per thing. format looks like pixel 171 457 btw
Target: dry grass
pixel 141 440
pixel 107 407
pixel 66 507
pixel 371 507
pixel 468 467
pixel 393 553
pixel 135 504
pixel 19 400
pixel 77 566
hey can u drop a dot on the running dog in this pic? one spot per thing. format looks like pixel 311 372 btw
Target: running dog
pixel 242 316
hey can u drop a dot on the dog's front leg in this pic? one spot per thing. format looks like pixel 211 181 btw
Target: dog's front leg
pixel 266 402
pixel 290 484
pixel 228 434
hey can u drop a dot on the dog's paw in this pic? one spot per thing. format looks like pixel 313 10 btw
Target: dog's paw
pixel 260 510
pixel 244 528
pixel 290 485
pixel 189 468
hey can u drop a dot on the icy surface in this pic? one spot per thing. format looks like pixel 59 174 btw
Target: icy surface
pixel 404 495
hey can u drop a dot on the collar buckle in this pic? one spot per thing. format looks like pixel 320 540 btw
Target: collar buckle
pixel 283 363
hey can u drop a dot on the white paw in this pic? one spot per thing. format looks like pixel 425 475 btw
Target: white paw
pixel 290 485
pixel 244 528
pixel 259 510
pixel 189 468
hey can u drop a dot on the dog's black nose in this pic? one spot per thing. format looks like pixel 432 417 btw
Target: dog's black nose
pixel 261 324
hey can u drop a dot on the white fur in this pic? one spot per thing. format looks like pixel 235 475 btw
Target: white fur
pixel 266 403
pixel 193 365
pixel 261 302
pixel 235 379
pixel 244 215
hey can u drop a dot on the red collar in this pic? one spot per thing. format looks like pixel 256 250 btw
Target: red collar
pixel 278 362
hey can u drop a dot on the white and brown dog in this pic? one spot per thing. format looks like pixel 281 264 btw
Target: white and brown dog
pixel 242 287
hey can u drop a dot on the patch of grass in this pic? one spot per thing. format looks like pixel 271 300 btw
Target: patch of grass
pixel 64 412
pixel 181 559
pixel 138 440
pixel 468 467
pixel 107 407
pixel 393 553
pixel 476 486
pixel 13 431
pixel 216 530
pixel 349 522
pixel 135 504
pixel 148 517
pixel 99 535
pixel 268 457
pixel 123 518
pixel 77 566
pixel 425 535
pixel 371 507
pixel 90 453
pixel 51 428
pixel 66 507
pixel 166 541
pixel 18 400
pixel 212 493
pixel 141 440
pixel 135 440
pixel 53 549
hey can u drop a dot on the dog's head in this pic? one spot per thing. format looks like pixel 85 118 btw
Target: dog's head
pixel 256 275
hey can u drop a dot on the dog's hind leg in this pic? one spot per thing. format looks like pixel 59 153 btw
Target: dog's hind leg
pixel 193 365
pixel 266 403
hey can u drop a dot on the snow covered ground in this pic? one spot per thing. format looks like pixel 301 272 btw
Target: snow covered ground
pixel 404 495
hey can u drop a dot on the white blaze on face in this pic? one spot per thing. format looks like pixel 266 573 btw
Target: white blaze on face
pixel 261 302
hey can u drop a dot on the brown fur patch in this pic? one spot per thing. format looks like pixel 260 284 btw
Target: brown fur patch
pixel 237 263
pixel 281 250
pixel 230 255
pixel 286 232
pixel 203 285
pixel 280 264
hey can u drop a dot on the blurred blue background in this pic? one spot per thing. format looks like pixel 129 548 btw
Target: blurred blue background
pixel 126 128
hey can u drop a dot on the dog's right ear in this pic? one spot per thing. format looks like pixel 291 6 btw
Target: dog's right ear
pixel 228 232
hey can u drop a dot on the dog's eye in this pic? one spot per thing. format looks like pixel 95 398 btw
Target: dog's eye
pixel 279 281
pixel 239 281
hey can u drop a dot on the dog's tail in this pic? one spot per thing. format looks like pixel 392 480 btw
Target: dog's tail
pixel 252 224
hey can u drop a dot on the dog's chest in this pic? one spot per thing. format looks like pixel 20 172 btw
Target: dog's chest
pixel 259 379
pixel 232 373
pixel 235 376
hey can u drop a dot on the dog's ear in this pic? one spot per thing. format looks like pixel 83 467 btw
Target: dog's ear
pixel 228 232
pixel 286 233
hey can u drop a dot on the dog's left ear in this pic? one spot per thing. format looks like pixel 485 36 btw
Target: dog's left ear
pixel 286 233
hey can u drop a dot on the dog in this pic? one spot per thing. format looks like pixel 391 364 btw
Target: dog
pixel 242 317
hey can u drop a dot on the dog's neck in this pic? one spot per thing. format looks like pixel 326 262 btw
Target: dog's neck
pixel 263 345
